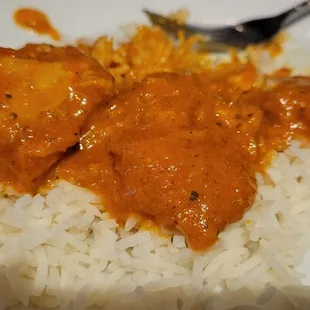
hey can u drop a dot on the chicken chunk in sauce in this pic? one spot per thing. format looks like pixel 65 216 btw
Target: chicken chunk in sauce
pixel 179 151
pixel 46 95
pixel 286 109
pixel 156 152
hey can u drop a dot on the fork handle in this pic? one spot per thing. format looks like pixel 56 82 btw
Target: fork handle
pixel 295 13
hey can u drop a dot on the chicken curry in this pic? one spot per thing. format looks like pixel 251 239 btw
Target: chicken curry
pixel 179 150
pixel 46 95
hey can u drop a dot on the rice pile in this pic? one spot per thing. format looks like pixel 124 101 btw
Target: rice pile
pixel 60 252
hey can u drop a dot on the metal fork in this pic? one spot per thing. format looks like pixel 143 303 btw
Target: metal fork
pixel 240 35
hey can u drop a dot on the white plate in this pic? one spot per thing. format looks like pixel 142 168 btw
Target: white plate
pixel 76 18
pixel 91 18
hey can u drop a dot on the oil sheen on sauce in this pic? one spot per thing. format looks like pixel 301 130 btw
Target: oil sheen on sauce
pixel 36 21
pixel 45 98
pixel 182 151
pixel 178 150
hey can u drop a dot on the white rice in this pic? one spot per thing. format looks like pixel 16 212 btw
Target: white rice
pixel 59 251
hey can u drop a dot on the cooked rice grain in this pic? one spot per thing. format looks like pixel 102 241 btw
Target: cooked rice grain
pixel 60 251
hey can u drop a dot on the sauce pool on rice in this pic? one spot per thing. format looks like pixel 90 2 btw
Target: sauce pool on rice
pixel 180 142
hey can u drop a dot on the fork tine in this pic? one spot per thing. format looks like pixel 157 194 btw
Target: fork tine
pixel 224 35
pixel 156 18
pixel 217 44
pixel 167 24
pixel 173 27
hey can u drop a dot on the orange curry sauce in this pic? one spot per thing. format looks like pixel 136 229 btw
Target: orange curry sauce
pixel 34 20
pixel 46 95
pixel 182 150
pixel 178 150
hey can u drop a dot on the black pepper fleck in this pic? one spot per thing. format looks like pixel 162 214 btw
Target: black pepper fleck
pixel 9 96
pixel 14 115
pixel 194 196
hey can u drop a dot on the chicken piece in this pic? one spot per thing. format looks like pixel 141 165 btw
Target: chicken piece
pixel 46 94
pixel 156 152
pixel 287 113
pixel 237 109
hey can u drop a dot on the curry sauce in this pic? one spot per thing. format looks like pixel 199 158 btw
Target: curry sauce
pixel 36 21
pixel 182 150
pixel 157 152
pixel 179 150
pixel 46 94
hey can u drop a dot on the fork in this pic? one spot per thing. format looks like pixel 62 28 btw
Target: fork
pixel 240 35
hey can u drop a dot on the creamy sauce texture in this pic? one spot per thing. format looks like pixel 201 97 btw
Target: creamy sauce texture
pixel 182 151
pixel 157 152
pixel 46 94
pixel 179 151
